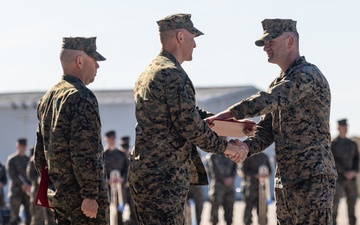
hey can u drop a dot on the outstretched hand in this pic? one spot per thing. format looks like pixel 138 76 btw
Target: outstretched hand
pixel 236 150
pixel 220 116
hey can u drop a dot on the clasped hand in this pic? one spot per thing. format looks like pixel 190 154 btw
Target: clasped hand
pixel 236 150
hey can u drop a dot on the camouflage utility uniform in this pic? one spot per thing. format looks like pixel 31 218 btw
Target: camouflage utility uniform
pixel 296 109
pixel 220 193
pixel 163 162
pixel 16 167
pixel 69 142
pixel 346 156
pixel 251 188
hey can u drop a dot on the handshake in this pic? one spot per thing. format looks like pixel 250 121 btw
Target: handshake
pixel 236 150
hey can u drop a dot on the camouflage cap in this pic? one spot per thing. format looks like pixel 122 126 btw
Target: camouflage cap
pixel 88 45
pixel 178 21
pixel 273 28
pixel 342 122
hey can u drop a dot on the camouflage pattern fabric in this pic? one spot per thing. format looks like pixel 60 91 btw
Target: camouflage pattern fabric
pixel 168 124
pixel 220 168
pixel 178 21
pixel 250 169
pixel 69 142
pixel 306 202
pixel 346 157
pixel 87 45
pixel 273 28
pixel 16 168
pixel 296 109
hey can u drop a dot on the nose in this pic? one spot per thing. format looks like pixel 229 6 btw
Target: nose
pixel 266 46
pixel 97 65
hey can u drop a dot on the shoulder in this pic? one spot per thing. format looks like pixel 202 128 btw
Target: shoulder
pixel 353 142
pixel 12 157
pixel 335 141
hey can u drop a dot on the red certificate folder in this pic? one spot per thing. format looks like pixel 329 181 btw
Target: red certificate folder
pixel 232 128
pixel 41 196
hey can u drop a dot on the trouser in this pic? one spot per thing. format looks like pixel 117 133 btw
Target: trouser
pixel 16 200
pixel 196 193
pixel 37 214
pixel 225 196
pixel 159 203
pixel 49 217
pixel 349 188
pixel 307 202
pixel 251 195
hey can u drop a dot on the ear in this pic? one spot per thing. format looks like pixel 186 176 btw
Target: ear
pixel 290 41
pixel 180 36
pixel 79 61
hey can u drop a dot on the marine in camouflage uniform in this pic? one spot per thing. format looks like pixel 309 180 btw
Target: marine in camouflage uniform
pixel 222 173
pixel 296 111
pixel 19 185
pixel 3 182
pixel 39 215
pixel 164 163
pixel 69 139
pixel 115 160
pixel 346 157
pixel 250 169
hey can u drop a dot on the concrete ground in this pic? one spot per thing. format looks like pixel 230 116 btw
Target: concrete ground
pixel 239 212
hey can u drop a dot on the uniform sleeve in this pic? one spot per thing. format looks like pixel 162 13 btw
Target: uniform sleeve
pixel 268 163
pixel 335 149
pixel 13 173
pixel 203 113
pixel 86 148
pixel 214 167
pixel 280 95
pixel 39 154
pixel 263 137
pixel 31 173
pixel 356 158
pixel 187 120
pixel 124 169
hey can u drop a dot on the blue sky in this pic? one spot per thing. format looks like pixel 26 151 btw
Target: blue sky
pixel 31 32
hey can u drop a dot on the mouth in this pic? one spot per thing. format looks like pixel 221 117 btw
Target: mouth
pixel 269 54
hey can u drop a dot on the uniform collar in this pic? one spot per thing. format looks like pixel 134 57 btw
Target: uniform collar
pixel 72 79
pixel 169 56
pixel 297 62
